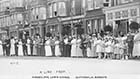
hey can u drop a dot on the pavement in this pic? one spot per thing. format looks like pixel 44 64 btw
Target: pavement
pixel 76 68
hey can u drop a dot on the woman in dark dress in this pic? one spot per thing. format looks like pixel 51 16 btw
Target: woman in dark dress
pixel 38 48
pixel 42 48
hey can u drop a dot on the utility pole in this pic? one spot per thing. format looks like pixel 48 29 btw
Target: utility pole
pixel 71 15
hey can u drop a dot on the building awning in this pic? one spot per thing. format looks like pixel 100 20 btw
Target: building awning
pixel 52 21
pixel 97 13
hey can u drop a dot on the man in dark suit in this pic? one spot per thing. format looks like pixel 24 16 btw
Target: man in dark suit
pixel 16 46
pixel 24 41
pixel 7 44
pixel 130 43
pixel 83 45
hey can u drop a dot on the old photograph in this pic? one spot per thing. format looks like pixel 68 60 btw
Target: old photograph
pixel 69 39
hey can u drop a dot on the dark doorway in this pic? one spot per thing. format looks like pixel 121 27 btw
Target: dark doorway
pixel 122 26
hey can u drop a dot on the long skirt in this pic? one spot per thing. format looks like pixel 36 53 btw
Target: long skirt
pixel 73 51
pixel 93 50
pixel 12 49
pixel 29 49
pixel 1 50
pixel 48 51
pixel 42 50
pixel 34 50
pixel 57 51
pixel 136 50
pixel 79 51
pixel 90 53
pixel 20 50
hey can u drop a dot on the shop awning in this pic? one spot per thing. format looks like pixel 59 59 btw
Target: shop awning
pixel 97 13
pixel 52 21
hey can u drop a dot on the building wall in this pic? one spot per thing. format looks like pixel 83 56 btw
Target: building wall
pixel 129 11
pixel 121 16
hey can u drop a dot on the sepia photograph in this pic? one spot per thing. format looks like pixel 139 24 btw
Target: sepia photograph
pixel 69 39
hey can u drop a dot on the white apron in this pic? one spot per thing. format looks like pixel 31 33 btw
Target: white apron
pixel 48 51
pixel 73 49
pixel 12 48
pixel 78 49
pixel 28 46
pixel 1 48
pixel 57 49
pixel 20 49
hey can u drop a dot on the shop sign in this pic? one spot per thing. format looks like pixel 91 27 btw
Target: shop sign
pixel 34 23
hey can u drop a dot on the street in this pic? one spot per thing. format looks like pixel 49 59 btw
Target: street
pixel 26 67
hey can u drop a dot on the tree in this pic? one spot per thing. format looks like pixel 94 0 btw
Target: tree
pixel 48 34
pixel 80 30
pixel 66 30
pixel 134 26
pixel 108 28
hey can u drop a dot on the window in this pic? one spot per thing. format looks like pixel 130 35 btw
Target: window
pixel 19 18
pixel 42 13
pixel 83 3
pixel 126 1
pixel 54 9
pixel 110 16
pixel 117 15
pixel 62 9
pixel 50 10
pixel 73 7
pixel 134 12
pixel 90 4
pixel 98 4
pixel 125 13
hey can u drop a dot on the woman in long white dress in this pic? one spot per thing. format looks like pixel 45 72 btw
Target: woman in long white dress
pixel 34 48
pixel 57 48
pixel 136 49
pixel 78 49
pixel 116 49
pixel 1 48
pixel 12 48
pixel 99 48
pixel 73 49
pixel 93 47
pixel 48 51
pixel 109 49
pixel 29 46
pixel 89 49
pixel 20 48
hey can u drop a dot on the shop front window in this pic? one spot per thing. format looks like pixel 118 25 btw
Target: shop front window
pixel 117 15
pixel 133 12
pixel 125 13
pixel 110 16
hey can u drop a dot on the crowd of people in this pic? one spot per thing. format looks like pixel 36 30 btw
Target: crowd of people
pixel 91 46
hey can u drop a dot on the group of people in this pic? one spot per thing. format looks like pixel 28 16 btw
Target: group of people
pixel 93 45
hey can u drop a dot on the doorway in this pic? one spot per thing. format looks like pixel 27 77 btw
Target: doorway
pixel 122 26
